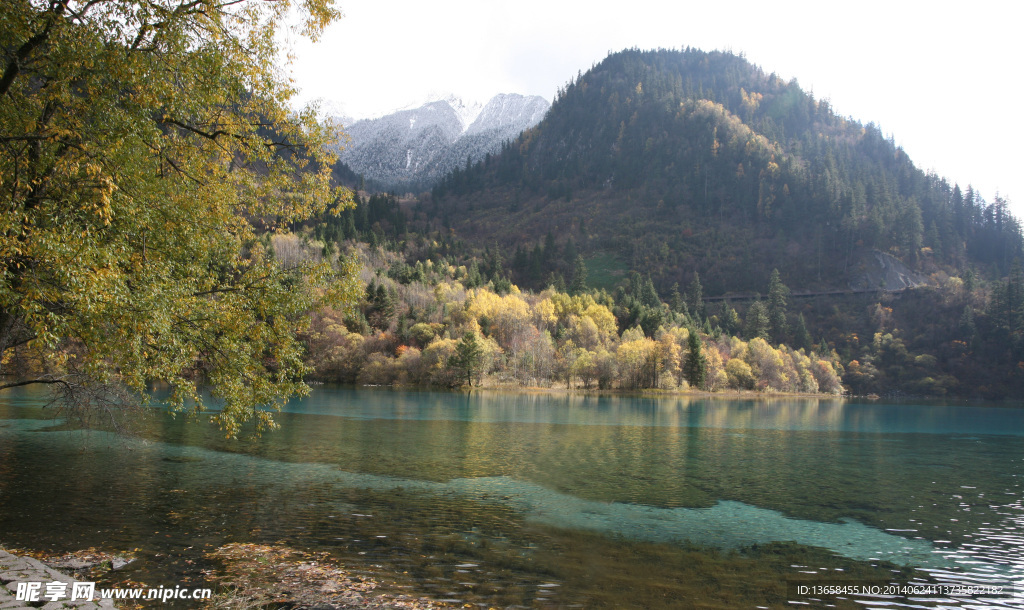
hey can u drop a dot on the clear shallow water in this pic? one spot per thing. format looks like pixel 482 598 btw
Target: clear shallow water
pixel 614 500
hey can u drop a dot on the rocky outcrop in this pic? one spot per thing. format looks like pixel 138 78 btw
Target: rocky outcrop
pixel 14 570
pixel 880 271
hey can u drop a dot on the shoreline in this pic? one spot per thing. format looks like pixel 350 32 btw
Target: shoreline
pixel 554 389
pixel 646 392
pixel 252 576
pixel 753 395
pixel 54 586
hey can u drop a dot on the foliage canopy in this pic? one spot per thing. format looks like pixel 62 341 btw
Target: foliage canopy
pixel 145 148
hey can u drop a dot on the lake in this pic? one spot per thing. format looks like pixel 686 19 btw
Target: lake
pixel 549 500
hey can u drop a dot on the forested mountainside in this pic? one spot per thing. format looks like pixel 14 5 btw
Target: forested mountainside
pixel 684 162
pixel 657 183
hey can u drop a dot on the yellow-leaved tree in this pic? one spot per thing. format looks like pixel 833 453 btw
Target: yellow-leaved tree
pixel 146 148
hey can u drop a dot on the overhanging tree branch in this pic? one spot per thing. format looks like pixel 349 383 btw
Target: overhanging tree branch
pixel 45 380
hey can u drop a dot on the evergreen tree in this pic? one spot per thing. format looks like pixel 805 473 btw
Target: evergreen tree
pixel 695 298
pixel 556 281
pixel 823 349
pixel 802 337
pixel 676 302
pixel 570 252
pixel 579 276
pixel 757 323
pixel 349 225
pixel 968 329
pixel 730 320
pixel 362 215
pixel 696 367
pixel 380 305
pixel 468 356
pixel 969 282
pixel 1006 309
pixel 777 293
pixel 502 285
pixel 536 265
pixel 473 277
pixel 550 249
pixel 648 294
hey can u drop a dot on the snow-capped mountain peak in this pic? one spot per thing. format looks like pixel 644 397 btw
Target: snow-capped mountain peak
pixel 466 110
pixel 415 147
pixel 509 112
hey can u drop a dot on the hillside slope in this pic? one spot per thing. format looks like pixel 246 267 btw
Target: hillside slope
pixel 678 162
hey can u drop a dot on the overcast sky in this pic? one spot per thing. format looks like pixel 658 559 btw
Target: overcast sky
pixel 943 78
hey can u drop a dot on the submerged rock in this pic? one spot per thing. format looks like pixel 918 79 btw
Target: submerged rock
pixel 117 563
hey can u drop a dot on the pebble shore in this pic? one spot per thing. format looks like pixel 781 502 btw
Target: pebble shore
pixel 256 575
pixel 14 569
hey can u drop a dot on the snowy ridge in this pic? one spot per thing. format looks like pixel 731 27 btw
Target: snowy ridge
pixel 414 148
pixel 467 111
pixel 509 112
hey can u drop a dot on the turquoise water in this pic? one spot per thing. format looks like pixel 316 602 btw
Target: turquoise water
pixel 494 498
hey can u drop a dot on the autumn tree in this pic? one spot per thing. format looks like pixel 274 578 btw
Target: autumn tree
pixel 566 362
pixel 634 356
pixel 144 148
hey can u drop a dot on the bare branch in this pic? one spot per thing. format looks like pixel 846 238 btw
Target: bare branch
pixel 45 380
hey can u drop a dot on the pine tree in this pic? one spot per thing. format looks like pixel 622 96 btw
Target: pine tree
pixel 536 266
pixel 969 282
pixel 579 276
pixel 468 356
pixel 473 277
pixel 696 367
pixel 570 253
pixel 802 338
pixel 556 281
pixel 550 248
pixel 968 329
pixel 757 323
pixel 777 293
pixel 695 298
pixel 730 320
pixel 676 303
pixel 349 225
pixel 648 294
pixel 823 349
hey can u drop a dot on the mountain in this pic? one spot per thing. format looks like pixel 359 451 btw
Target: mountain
pixel 506 115
pixel 672 187
pixel 412 150
pixel 679 162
